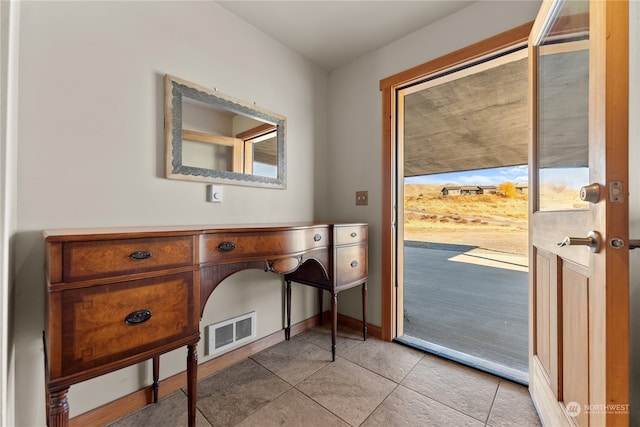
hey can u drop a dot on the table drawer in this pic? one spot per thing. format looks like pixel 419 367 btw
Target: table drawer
pixel 94 259
pixel 107 323
pixel 350 234
pixel 228 247
pixel 351 264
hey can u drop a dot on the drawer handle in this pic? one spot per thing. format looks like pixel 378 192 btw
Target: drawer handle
pixel 317 238
pixel 354 263
pixel 354 234
pixel 137 317
pixel 226 246
pixel 139 255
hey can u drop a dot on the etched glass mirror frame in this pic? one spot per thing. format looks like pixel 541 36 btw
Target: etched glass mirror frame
pixel 175 90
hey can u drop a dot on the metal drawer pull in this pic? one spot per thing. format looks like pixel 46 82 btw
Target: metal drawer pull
pixel 354 264
pixel 137 317
pixel 226 246
pixel 317 238
pixel 139 255
pixel 354 234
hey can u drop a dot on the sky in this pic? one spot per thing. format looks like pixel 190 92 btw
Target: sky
pixel 515 174
pixel 573 178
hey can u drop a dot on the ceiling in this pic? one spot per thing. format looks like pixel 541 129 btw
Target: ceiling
pixel 481 120
pixel 475 122
pixel 478 121
pixel 334 33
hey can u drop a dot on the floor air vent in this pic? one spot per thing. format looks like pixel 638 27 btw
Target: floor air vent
pixel 230 333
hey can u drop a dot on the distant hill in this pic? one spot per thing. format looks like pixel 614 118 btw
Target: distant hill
pixel 414 190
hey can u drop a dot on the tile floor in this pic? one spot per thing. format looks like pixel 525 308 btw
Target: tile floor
pixel 371 383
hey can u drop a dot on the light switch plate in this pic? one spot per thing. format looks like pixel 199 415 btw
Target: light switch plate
pixel 214 193
pixel 362 198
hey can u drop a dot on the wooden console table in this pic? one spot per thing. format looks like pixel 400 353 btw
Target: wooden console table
pixel 119 296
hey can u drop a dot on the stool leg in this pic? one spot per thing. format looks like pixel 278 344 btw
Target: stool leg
pixel 364 311
pixel 334 323
pixel 320 306
pixel 287 330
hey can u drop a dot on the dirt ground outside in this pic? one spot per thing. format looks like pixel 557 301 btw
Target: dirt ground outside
pixel 499 240
pixel 492 222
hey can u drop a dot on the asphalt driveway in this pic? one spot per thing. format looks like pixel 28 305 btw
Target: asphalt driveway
pixel 469 300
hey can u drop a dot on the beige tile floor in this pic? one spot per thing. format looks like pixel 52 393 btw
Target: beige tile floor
pixel 371 383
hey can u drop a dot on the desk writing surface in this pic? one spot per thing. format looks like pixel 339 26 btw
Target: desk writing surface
pixel 62 234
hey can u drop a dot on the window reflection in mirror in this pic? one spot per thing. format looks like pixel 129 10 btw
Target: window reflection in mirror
pixel 264 155
pixel 260 150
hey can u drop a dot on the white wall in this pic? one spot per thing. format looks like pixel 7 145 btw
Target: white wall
pixel 9 19
pixel 355 109
pixel 91 153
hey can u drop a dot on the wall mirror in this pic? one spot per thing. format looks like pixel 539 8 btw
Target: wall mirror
pixel 211 137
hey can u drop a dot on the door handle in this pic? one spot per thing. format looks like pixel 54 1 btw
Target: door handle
pixel 634 244
pixel 590 193
pixel 593 241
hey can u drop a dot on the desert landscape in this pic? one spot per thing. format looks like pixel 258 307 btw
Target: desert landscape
pixel 496 222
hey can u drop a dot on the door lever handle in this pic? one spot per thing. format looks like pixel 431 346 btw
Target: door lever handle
pixel 634 244
pixel 593 241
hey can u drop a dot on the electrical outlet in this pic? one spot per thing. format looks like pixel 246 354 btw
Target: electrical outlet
pixel 362 198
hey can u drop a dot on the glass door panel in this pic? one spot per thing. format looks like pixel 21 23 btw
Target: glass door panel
pixel 563 108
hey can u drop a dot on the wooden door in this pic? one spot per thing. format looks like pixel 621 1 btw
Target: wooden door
pixel 579 294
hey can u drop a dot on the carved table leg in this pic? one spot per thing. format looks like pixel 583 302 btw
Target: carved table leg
pixel 364 311
pixel 287 330
pixel 192 383
pixel 320 306
pixel 334 323
pixel 58 408
pixel 156 375
pixel 47 401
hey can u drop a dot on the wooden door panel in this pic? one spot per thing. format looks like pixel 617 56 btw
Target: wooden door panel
pixel 575 341
pixel 543 310
pixel 545 334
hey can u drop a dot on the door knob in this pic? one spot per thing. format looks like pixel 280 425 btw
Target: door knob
pixel 593 241
pixel 590 193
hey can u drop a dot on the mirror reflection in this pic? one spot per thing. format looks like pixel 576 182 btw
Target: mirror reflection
pixel 211 137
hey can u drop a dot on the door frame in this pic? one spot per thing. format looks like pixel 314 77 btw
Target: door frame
pixel 514 38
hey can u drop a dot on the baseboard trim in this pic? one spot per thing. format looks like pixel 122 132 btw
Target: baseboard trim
pixel 353 323
pixel 120 407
